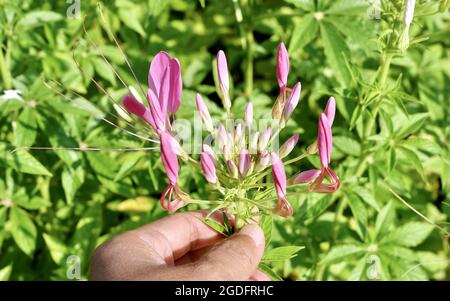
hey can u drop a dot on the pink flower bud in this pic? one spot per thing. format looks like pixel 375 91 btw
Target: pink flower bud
pixel 224 84
pixel 239 138
pixel 288 146
pixel 204 113
pixel 282 66
pixel 330 109
pixel 208 149
pixel 208 167
pixel 248 117
pixel 169 157
pixel 222 137
pixel 232 168
pixel 253 143
pixel 133 106
pixel 244 162
pixel 264 138
pixel 292 102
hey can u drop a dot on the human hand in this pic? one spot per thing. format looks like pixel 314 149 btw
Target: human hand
pixel 180 247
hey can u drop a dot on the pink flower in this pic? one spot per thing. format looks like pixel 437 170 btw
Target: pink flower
pixel 208 167
pixel 324 145
pixel 170 162
pixel 282 66
pixel 163 95
pixel 282 208
pixel 224 84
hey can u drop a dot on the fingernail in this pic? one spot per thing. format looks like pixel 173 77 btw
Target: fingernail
pixel 255 233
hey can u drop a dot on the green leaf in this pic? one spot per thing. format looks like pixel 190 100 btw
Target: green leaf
pixel 23 161
pixel 307 5
pixel 385 219
pixel 129 161
pixel 349 7
pixel 342 252
pixel 359 212
pixel 347 145
pixel 38 18
pixel 281 253
pixel 57 249
pixel 3 212
pixel 72 178
pixel 266 223
pixel 414 123
pixel 35 203
pixel 5 272
pixel 411 234
pixel 366 196
pixel 414 160
pixel 23 230
pixel 304 32
pixel 104 69
pixel 269 272
pixel 336 51
pixel 392 159
pixel 25 129
pixel 215 226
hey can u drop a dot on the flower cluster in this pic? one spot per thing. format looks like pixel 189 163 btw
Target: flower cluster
pixel 235 160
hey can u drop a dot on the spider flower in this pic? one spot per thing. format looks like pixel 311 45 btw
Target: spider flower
pixel 324 144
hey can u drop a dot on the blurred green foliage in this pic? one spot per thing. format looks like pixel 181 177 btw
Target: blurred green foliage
pixel 391 151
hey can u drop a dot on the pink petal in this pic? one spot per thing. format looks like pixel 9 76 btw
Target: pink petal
pixel 282 66
pixel 222 68
pixel 330 110
pixel 288 146
pixel 248 116
pixel 157 68
pixel 283 208
pixel 279 175
pixel 307 176
pixel 169 157
pixel 324 140
pixel 176 86
pixel 155 109
pixel 133 106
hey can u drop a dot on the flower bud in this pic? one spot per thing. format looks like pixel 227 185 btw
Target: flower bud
pixel 244 162
pixel 288 146
pixel 224 84
pixel 264 138
pixel 248 117
pixel 232 168
pixel 291 103
pixel 204 113
pixel 282 66
pixel 263 161
pixel 208 167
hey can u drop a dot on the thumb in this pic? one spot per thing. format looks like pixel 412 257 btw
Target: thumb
pixel 235 258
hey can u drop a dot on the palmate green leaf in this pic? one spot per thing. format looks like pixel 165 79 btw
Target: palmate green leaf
pixel 314 205
pixel 343 252
pixel 25 129
pixel 35 203
pixel 104 70
pixel 129 14
pixel 385 220
pixel 23 161
pixel 57 249
pixel 412 125
pixel 281 253
pixel 304 32
pixel 23 230
pixel 347 145
pixel 392 159
pixel 336 51
pixel 366 196
pixel 215 226
pixel 411 234
pixel 129 160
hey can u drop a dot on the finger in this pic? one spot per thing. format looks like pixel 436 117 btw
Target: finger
pixel 234 258
pixel 259 276
pixel 175 235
